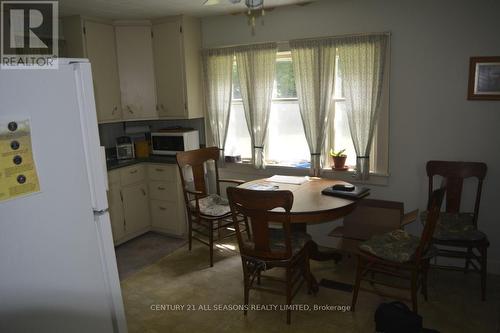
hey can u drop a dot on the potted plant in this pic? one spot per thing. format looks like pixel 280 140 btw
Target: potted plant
pixel 338 159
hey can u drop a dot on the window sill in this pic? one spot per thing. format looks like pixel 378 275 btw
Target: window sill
pixel 247 171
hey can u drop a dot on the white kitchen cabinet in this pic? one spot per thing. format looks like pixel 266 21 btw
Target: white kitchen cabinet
pixel 134 47
pixel 177 59
pixel 116 211
pixel 167 200
pixel 144 197
pixel 132 174
pixel 165 217
pixel 136 208
pixel 95 40
pixel 128 201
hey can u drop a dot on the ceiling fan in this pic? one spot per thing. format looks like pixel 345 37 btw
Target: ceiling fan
pixel 251 4
pixel 255 8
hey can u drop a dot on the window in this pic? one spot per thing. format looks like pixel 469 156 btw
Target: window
pixel 286 143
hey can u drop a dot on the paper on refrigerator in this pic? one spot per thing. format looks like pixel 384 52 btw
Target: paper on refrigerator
pixel 18 175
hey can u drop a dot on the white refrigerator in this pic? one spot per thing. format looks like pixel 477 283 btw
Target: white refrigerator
pixel 58 268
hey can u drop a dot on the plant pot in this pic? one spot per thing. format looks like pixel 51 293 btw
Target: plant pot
pixel 339 162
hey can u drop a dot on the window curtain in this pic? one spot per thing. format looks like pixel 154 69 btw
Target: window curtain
pixel 256 72
pixel 361 64
pixel 217 71
pixel 314 70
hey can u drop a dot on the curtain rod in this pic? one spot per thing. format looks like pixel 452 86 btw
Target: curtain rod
pixel 387 33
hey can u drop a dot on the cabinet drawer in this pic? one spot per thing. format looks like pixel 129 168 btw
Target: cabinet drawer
pixel 165 215
pixel 162 172
pixel 114 177
pixel 132 174
pixel 166 191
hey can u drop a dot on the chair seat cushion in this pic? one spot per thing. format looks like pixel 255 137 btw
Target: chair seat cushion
pixel 277 239
pixel 455 226
pixel 396 246
pixel 212 205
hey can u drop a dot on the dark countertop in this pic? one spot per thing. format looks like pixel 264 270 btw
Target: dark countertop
pixel 116 164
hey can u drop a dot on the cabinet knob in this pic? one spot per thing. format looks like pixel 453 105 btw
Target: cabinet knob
pixel 161 188
pixel 115 108
pixel 162 106
pixel 130 109
pixel 133 171
pixel 159 170
pixel 143 192
pixel 162 208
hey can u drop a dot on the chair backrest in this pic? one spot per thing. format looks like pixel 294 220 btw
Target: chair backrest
pixel 436 200
pixel 197 160
pixel 454 173
pixel 257 206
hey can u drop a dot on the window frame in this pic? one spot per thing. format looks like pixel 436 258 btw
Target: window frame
pixel 380 145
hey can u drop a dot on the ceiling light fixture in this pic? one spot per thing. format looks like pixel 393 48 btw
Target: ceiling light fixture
pixel 255 10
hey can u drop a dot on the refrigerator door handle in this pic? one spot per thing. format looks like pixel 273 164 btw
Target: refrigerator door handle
pixel 104 167
pixel 91 145
pixel 101 212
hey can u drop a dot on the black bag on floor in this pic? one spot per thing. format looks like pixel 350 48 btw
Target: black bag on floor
pixel 396 317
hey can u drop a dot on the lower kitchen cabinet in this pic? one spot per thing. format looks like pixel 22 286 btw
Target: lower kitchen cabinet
pixel 116 211
pixel 165 217
pixel 167 200
pixel 136 208
pixel 128 200
pixel 145 197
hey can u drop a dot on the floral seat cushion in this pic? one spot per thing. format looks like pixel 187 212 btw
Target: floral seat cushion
pixel 212 205
pixel 277 237
pixel 455 226
pixel 396 246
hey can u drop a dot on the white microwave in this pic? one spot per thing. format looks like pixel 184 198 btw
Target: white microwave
pixel 172 142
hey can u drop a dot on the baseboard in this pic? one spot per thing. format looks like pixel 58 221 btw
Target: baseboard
pixel 132 235
pixel 168 233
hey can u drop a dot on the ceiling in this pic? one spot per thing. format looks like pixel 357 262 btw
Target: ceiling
pixel 144 9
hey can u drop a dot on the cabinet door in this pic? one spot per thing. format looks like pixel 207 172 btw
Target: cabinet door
pixel 135 207
pixel 167 217
pixel 191 33
pixel 116 212
pixel 169 68
pixel 100 44
pixel 134 47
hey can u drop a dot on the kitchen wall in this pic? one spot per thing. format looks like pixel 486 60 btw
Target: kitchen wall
pixel 109 132
pixel 430 117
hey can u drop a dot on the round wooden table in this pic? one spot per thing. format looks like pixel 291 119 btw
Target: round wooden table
pixel 309 205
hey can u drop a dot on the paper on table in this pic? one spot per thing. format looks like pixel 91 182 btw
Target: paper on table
pixel 287 179
pixel 263 187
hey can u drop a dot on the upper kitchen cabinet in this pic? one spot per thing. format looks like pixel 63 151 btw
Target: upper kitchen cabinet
pixel 95 40
pixel 134 47
pixel 177 60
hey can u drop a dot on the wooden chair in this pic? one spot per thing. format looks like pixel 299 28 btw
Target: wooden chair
pixel 456 229
pixel 399 255
pixel 270 248
pixel 206 212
